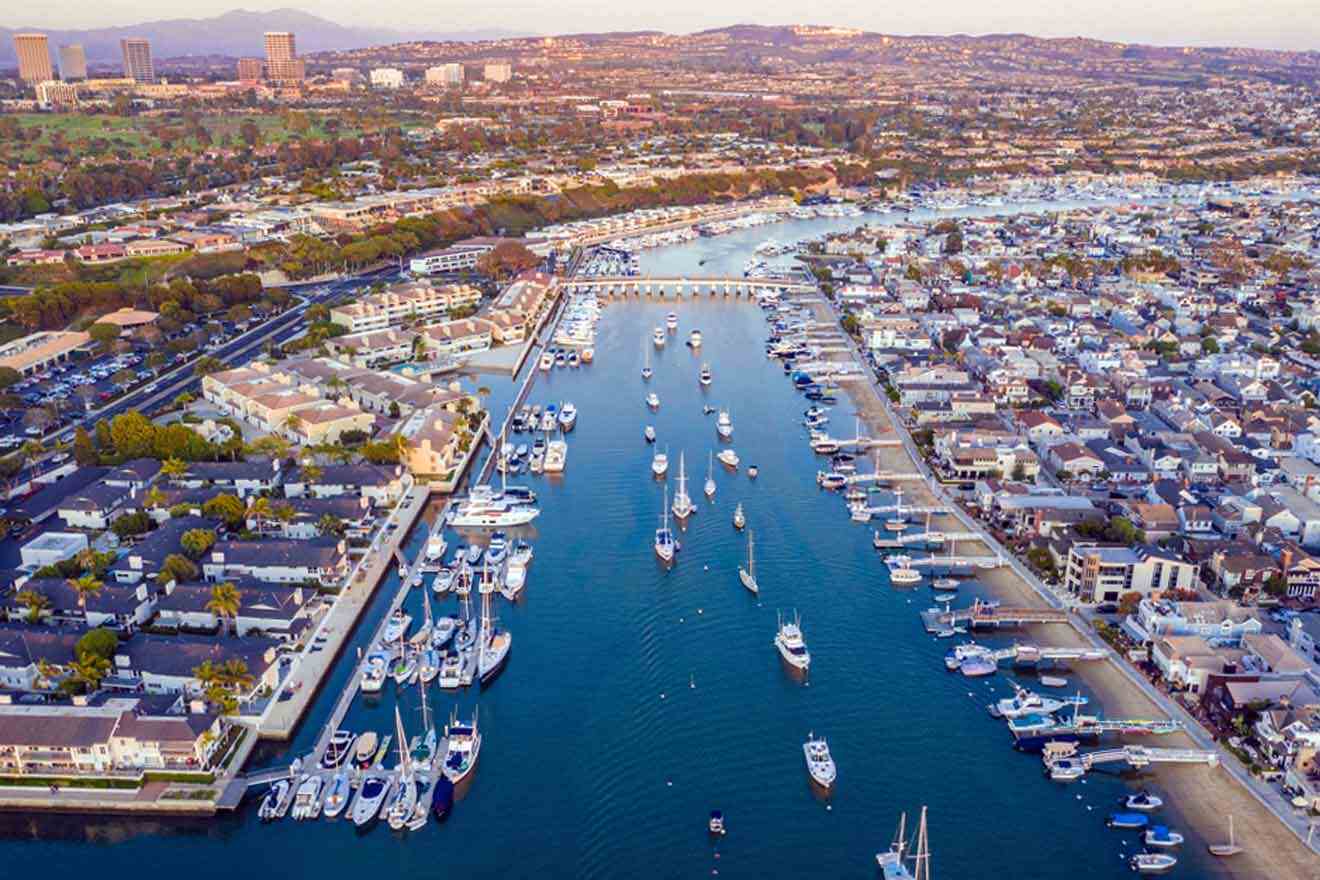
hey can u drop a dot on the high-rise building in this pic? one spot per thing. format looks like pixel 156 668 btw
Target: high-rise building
pixel 73 62
pixel 249 70
pixel 445 75
pixel 282 62
pixel 137 59
pixel 500 72
pixel 33 53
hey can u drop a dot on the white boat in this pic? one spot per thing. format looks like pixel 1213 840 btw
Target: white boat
pixel 1162 836
pixel 398 809
pixel 790 643
pixel 653 400
pixel 1025 702
pixel 428 665
pixel 671 321
pixel 724 425
pixel 694 339
pixel 436 545
pixel 556 457
pixel 1152 863
pixel 567 416
pixel 270 804
pixel 493 644
pixel 683 507
pixel 660 464
pixel 547 361
pixel 1144 801
pixel 901 572
pixel 649 434
pixel 374 673
pixel 365 750
pixel 374 790
pixel 337 750
pixel 819 763
pixel 398 624
pixel 658 337
pixel 729 458
pixel 404 668
pixel 463 748
pixel 665 545
pixel 705 376
pixel 1224 850
pixel 748 575
pixel 515 578
pixel 307 800
pixel 451 671
pixel 336 796
pixel 893 863
pixel 709 488
pixel 738 519
pixel 646 364
pixel 493 514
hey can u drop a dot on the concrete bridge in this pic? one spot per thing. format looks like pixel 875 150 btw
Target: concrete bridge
pixel 661 286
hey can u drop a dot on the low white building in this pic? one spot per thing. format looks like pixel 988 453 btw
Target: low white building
pixel 52 547
pixel 386 78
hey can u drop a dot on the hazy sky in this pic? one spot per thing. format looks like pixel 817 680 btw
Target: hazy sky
pixel 1292 24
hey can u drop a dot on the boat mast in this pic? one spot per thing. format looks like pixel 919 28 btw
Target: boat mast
pixel 922 857
pixel 405 762
pixel 751 559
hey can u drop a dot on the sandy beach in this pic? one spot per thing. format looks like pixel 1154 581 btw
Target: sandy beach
pixel 1199 796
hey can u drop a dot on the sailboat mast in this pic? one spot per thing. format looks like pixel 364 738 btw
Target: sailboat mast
pixel 922 857
pixel 751 557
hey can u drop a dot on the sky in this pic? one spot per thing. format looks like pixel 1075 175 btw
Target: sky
pixel 1282 24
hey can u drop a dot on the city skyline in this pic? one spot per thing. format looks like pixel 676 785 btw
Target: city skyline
pixel 1274 24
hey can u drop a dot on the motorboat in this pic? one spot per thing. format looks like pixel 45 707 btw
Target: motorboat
pixel 472 554
pixel 694 339
pixel 567 417
pixel 521 554
pixel 270 803
pixel 365 750
pixel 791 645
pixel 372 793
pixel 1163 836
pixel 705 376
pixel 374 673
pixel 901 572
pixel 1024 702
pixel 463 748
pixel 307 799
pixel 1127 820
pixel 753 471
pixel 739 520
pixel 588 355
pixel 337 750
pixel 1144 801
pixel 444 581
pixel 957 655
pixel 978 667
pixel 397 626
pixel 428 666
pixel 649 434
pixel 549 417
pixel 574 359
pixel 497 548
pixel 515 578
pixel 658 337
pixel 748 575
pixel 443 631
pixel 707 409
pixel 946 584
pixel 665 545
pixel 660 464
pixel 337 796
pixel 724 425
pixel 547 361
pixel 683 507
pixel 819 763
pixel 1066 769
pixel 716 823
pixel 404 668
pixel 451 672
pixel 1152 863
pixel 653 400
pixel 399 808
pixel 442 799
pixel 709 488
pixel 493 514
pixel 671 321
pixel 831 481
pixel 556 457
pixel 728 458
pixel 436 545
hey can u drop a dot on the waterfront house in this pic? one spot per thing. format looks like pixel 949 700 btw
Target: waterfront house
pixel 166 664
pixel 1187 662
pixel 25 648
pixel 1218 622
pixel 354 514
pixel 275 610
pixel 381 484
pixel 1105 573
pixel 143 560
pixel 135 475
pixel 116 606
pixel 1266 652
pixel 322 561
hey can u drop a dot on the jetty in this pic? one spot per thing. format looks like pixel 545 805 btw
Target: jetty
pixel 979 614
pixel 1032 654
pixel 1057 756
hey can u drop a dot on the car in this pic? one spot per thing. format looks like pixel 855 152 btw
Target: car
pixel 60 457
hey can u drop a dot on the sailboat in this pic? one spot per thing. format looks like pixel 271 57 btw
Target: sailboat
pixel 893 863
pixel 494 644
pixel 423 745
pixel 682 502
pixel 710 477
pixel 748 575
pixel 1224 850
pixel 665 545
pixel 400 809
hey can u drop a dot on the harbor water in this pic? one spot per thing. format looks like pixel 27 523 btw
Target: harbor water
pixel 637 699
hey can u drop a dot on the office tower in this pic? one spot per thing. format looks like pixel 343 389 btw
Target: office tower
pixel 137 60
pixel 499 72
pixel 249 70
pixel 33 58
pixel 282 61
pixel 445 75
pixel 73 62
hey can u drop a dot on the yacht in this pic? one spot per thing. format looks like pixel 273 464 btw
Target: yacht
pixel 549 417
pixel 515 578
pixel 705 376
pixel 683 507
pixel 462 750
pixel 307 800
pixel 819 763
pixel 709 488
pixel 365 750
pixel 728 458
pixel 375 788
pixel 901 572
pixel 694 339
pixel 443 631
pixel 716 823
pixel 724 425
pixel 451 670
pixel 957 655
pixel 665 545
pixel 671 321
pixel 547 361
pixel 1025 702
pixel 1152 863
pixel 649 434
pixel 428 666
pixel 660 464
pixel 556 457
pixel 521 554
pixel 653 400
pixel 494 514
pixel 1144 801
pixel 337 750
pixel 436 547
pixel 658 337
pixel 567 417
pixel 497 549
pixel 397 626
pixel 739 520
pixel 336 796
pixel 790 644
pixel 374 673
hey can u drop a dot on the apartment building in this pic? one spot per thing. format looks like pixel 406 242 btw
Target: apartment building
pixel 138 65
pixel 1099 573
pixel 405 302
pixel 33 51
pixel 445 75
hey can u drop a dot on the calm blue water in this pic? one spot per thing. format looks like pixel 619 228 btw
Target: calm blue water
pixel 638 699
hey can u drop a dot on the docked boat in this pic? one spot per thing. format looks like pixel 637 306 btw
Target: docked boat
pixel 694 339
pixel 1066 769
pixel 748 575
pixel 462 750
pixel 649 434
pixel 494 646
pixel 436 545
pixel 658 337
pixel 515 578
pixel 946 583
pixel 1162 836
pixel 397 626
pixel 442 799
pixel 270 803
pixel 547 361
pixel 978 667
pixel 1024 702
pixel 365 750
pixel 957 655
pixel 724 425
pixel 374 673
pixel 472 554
pixel 901 572
pixel 428 666
pixel 705 376
pixel 739 520
pixel 683 506
pixel 556 457
pixel 1053 681
pixel 497 548
pixel 819 763
pixel 494 513
pixel 567 417
pixel 336 796
pixel 660 464
pixel 790 643
pixel 443 581
pixel 1152 863
pixel 665 545
pixel 443 631
pixel 404 668
pixel 1144 801
pixel 451 672
pixel 728 458
pixel 372 793
pixel 337 750
pixel 399 810
pixel 833 482
pixel 307 799
pixel 1127 820
pixel 653 400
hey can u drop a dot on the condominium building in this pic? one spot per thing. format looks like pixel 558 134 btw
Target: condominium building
pixel 445 75
pixel 386 78
pixel 382 310
pixel 250 70
pixel 500 72
pixel 73 62
pixel 33 53
pixel 137 59
pixel 282 62
pixel 1097 573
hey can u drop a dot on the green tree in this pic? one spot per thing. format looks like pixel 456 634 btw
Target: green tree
pixel 84 450
pixel 99 642
pixel 9 376
pixel 35 604
pixel 259 510
pixel 104 335
pixel 85 586
pixel 131 524
pixel 132 435
pixel 86 673
pixel 225 602
pixel 329 524
pixel 173 468
pixel 177 568
pixel 195 542
pixel 225 507
pixel 206 365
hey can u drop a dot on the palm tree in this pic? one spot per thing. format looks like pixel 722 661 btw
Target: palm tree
pixel 234 674
pixel 88 670
pixel 329 524
pixel 86 559
pixel 174 468
pixel 85 586
pixel 35 603
pixel 293 423
pixel 259 510
pixel 311 472
pixel 225 602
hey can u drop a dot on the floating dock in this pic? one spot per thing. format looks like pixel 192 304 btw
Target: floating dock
pixel 981 615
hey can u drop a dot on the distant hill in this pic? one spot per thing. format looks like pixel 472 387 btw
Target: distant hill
pixel 233 34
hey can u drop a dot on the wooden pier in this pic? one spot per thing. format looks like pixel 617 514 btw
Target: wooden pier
pixel 989 616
